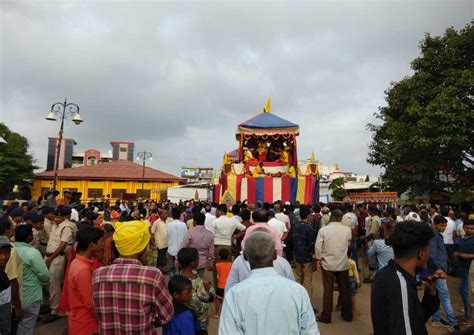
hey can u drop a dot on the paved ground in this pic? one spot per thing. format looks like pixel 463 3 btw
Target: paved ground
pixel 360 325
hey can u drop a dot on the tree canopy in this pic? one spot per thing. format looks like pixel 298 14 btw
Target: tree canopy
pixel 16 164
pixel 425 141
pixel 337 188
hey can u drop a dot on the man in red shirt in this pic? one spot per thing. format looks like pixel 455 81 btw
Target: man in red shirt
pixel 131 298
pixel 81 318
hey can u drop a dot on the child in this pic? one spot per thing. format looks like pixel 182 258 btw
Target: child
pixel 183 322
pixel 5 288
pixel 222 268
pixel 354 281
pixel 188 259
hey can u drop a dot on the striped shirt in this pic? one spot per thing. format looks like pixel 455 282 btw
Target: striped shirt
pixel 129 296
pixel 382 251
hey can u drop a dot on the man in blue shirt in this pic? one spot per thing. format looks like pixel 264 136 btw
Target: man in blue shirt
pixel 266 303
pixel 465 255
pixel 439 260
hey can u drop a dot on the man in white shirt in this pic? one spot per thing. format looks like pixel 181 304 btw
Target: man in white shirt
pixel 278 225
pixel 448 237
pixel 159 230
pixel 223 227
pixel 176 232
pixel 331 247
pixel 279 215
pixel 209 217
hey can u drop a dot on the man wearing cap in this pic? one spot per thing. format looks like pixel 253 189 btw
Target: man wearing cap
pixel 130 298
pixel 61 236
pixel 48 213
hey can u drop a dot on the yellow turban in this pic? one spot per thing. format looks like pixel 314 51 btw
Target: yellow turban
pixel 131 237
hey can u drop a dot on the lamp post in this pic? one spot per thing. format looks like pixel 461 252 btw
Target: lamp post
pixel 64 110
pixel 144 156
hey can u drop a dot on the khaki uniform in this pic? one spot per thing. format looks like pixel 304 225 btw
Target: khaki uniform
pixel 59 233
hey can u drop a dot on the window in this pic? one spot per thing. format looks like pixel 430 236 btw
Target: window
pixel 123 149
pixel 72 190
pixel 94 193
pixel 44 190
pixel 145 195
pixel 117 193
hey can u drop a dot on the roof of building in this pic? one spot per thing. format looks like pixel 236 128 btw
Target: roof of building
pixel 115 170
pixel 267 120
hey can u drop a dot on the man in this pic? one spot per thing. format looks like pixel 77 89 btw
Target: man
pixel 260 219
pixel 81 318
pixel 439 260
pixel 5 286
pixel 449 235
pixel 17 216
pixel 209 216
pixel 35 275
pixel 302 238
pixel 176 230
pixel 203 241
pixel 48 223
pixel 223 228
pixel 331 247
pixel 266 303
pixel 128 296
pixel 159 229
pixel 465 256
pixel 381 250
pixel 37 223
pixel 279 215
pixel 373 224
pixel 278 225
pixel 325 217
pixel 395 307
pixel 61 236
pixel 13 268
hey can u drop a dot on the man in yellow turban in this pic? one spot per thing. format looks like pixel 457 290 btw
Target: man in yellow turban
pixel 133 293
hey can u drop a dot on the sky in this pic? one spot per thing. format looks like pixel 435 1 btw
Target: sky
pixel 177 77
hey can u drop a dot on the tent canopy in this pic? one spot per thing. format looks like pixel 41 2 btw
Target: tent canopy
pixel 267 120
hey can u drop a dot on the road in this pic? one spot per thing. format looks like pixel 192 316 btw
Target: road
pixel 360 325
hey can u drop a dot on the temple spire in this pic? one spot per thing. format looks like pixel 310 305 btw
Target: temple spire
pixel 267 106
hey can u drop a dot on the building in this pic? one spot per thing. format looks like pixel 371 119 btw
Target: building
pixel 68 157
pixel 119 178
pixel 193 175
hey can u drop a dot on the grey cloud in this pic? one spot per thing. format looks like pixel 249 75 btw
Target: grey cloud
pixel 177 78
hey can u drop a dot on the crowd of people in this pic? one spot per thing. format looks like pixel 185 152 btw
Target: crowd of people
pixel 133 267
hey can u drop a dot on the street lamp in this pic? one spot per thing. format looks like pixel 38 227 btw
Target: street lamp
pixel 144 156
pixel 63 110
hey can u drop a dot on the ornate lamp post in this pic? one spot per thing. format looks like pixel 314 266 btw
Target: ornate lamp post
pixel 63 110
pixel 144 156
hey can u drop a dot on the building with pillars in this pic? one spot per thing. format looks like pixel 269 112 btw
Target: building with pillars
pixel 121 179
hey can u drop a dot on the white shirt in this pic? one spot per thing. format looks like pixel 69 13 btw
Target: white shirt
pixel 283 218
pixel 74 215
pixel 208 221
pixel 241 270
pixel 278 225
pixel 448 233
pixel 223 228
pixel 176 231
pixel 351 216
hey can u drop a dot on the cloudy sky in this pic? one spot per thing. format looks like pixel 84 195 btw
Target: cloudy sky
pixel 177 77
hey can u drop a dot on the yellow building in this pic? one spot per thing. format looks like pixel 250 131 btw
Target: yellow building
pixel 120 179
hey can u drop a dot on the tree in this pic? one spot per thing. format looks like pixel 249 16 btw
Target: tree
pixel 337 188
pixel 16 164
pixel 425 141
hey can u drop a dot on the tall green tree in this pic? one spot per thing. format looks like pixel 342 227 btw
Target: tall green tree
pixel 16 164
pixel 425 140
